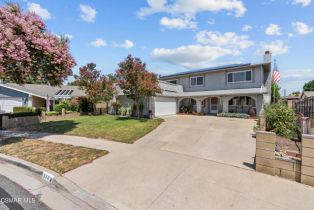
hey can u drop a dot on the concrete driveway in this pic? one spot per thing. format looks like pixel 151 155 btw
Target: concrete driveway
pixel 190 162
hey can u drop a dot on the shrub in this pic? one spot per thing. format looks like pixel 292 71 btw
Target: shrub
pixel 19 109
pixel 65 104
pixel 22 114
pixel 85 105
pixel 52 113
pixel 39 110
pixel 74 105
pixel 281 120
pixel 116 105
pixel 234 115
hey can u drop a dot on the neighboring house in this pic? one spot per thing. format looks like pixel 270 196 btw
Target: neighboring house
pixel 291 100
pixel 239 88
pixel 307 94
pixel 34 95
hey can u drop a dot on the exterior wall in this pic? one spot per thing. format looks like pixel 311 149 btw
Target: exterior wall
pixel 38 102
pixel 218 81
pixel 267 163
pixel 17 122
pixel 307 176
pixel 126 102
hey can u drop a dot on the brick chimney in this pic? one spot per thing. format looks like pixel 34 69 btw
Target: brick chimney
pixel 267 57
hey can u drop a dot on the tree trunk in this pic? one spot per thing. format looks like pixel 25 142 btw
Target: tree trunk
pixel 137 111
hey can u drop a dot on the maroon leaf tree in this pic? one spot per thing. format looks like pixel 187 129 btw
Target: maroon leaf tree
pixel 135 81
pixel 98 87
pixel 28 53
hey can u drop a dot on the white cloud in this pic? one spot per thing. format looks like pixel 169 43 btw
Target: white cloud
pixel 228 39
pixel 246 28
pixel 40 11
pixel 211 21
pixel 99 43
pixel 290 35
pixel 178 23
pixel 303 3
pixel 68 36
pixel 301 28
pixel 273 30
pixel 190 8
pixel 88 14
pixel 127 44
pixel 294 79
pixel 277 47
pixel 192 56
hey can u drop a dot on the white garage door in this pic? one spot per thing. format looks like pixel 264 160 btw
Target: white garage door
pixel 7 104
pixel 165 106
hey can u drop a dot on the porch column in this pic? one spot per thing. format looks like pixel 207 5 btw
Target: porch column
pixel 225 104
pixel 47 104
pixel 199 105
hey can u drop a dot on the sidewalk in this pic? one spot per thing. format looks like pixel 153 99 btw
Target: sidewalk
pixel 60 194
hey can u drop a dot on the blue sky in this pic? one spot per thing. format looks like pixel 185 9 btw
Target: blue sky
pixel 180 35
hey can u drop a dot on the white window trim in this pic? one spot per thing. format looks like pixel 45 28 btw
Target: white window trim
pixel 196 81
pixel 240 72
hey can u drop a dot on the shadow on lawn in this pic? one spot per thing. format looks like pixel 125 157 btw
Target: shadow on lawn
pixel 58 127
pixel 131 118
pixel 10 140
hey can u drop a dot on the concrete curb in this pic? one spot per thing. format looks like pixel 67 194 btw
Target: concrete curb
pixel 63 185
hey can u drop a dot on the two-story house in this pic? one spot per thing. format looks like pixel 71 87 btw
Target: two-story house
pixel 238 88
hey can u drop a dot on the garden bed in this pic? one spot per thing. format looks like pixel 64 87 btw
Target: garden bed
pixel 287 148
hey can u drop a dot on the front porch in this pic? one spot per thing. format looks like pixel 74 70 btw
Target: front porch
pixel 217 104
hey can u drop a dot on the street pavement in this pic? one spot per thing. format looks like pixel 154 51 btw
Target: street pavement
pixel 14 197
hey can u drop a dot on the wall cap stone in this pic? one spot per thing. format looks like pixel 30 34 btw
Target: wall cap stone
pixel 266 132
pixel 307 136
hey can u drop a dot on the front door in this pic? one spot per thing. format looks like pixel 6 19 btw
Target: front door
pixel 214 105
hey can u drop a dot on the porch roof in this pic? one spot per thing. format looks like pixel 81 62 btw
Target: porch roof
pixel 225 92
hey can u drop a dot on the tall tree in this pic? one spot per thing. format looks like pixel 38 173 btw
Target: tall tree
pixel 135 81
pixel 275 93
pixel 309 86
pixel 98 87
pixel 28 53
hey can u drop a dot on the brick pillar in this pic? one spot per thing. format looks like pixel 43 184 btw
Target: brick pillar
pixel 262 123
pixel 265 152
pixel 307 167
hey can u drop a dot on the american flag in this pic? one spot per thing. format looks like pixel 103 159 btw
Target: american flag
pixel 276 74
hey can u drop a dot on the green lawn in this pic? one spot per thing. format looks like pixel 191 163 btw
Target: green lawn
pixel 120 129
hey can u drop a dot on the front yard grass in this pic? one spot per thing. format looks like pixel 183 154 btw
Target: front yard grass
pixel 60 158
pixel 122 129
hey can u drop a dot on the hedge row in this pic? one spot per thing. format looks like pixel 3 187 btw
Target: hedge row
pixel 234 115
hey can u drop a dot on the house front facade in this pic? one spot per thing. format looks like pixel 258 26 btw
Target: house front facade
pixel 239 88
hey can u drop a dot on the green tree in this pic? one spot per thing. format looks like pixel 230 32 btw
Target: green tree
pixel 296 93
pixel 98 87
pixel 136 82
pixel 275 93
pixel 309 86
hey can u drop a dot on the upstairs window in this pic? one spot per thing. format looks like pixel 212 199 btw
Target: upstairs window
pixel 241 76
pixel 197 81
